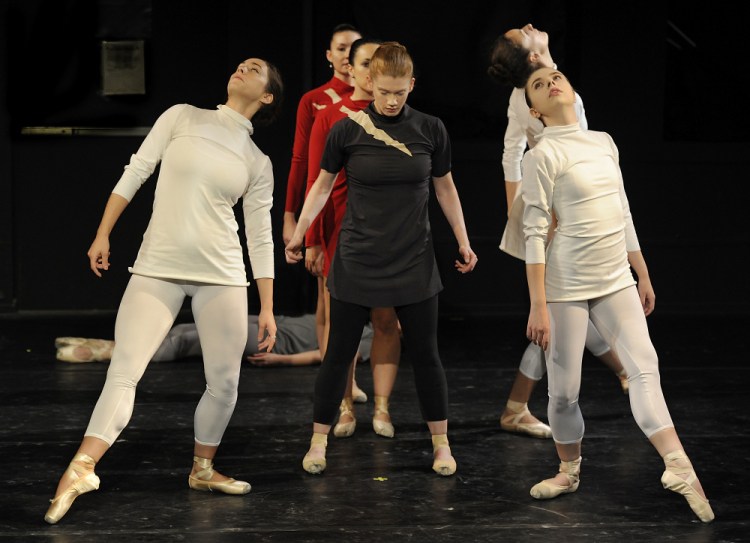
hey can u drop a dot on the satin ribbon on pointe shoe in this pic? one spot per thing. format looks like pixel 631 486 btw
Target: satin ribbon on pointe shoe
pixel 381 427
pixel 546 490
pixel 202 480
pixel 312 463
pixel 345 429
pixel 444 467
pixel 512 422
pixel 84 480
pixel 624 382
pixel 673 480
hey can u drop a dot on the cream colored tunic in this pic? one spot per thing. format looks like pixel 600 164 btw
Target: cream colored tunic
pixel 576 174
pixel 208 162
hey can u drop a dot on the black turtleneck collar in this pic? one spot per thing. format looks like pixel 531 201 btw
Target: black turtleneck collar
pixel 403 114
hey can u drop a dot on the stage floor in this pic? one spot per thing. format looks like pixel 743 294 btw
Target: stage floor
pixel 376 489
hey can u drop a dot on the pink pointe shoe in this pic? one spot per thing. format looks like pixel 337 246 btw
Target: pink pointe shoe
pixel 679 477
pixel 345 429
pixel 314 462
pixel 81 472
pixel 446 466
pixel 382 427
pixel 358 395
pixel 512 422
pixel 547 489
pixel 202 480
pixel 89 350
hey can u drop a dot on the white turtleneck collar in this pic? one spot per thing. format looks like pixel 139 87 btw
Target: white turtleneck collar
pixel 558 130
pixel 237 117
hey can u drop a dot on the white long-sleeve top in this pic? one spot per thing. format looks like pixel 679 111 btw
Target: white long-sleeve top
pixel 208 162
pixel 576 174
pixel 522 129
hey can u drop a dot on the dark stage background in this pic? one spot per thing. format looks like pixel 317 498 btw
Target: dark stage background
pixel 648 73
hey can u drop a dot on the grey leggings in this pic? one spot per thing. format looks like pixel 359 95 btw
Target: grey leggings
pixel 620 320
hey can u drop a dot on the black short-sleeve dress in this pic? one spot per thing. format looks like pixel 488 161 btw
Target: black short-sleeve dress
pixel 385 256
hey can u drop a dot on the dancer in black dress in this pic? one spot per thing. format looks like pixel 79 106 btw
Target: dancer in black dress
pixel 385 255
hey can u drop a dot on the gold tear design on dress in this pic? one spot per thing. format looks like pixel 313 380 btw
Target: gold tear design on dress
pixel 364 120
pixel 335 98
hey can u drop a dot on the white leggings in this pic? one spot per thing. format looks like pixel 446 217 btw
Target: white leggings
pixel 534 367
pixel 147 311
pixel 620 320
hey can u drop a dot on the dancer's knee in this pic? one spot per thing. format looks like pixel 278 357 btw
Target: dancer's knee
pixel 385 322
pixel 562 404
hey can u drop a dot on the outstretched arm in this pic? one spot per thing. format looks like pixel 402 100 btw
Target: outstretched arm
pixel 645 289
pixel 314 202
pixel 139 169
pixel 514 146
pixel 99 251
pixel 266 320
pixel 306 358
pixel 295 187
pixel 447 196
pixel 537 329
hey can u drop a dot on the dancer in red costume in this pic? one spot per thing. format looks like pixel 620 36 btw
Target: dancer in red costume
pixel 312 102
pixel 310 105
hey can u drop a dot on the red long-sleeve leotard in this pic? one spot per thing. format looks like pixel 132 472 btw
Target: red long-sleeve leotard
pixel 310 105
pixel 324 230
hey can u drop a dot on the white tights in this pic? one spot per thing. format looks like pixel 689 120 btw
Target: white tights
pixel 147 311
pixel 620 320
pixel 533 365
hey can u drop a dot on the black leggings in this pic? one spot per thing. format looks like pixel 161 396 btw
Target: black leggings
pixel 419 326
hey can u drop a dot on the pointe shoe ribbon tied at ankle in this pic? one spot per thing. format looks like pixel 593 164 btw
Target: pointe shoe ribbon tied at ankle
pixel 381 427
pixel 202 480
pixel 315 462
pixel 446 466
pixel 547 489
pixel 624 382
pixel 345 429
pixel 680 478
pixel 512 422
pixel 81 469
